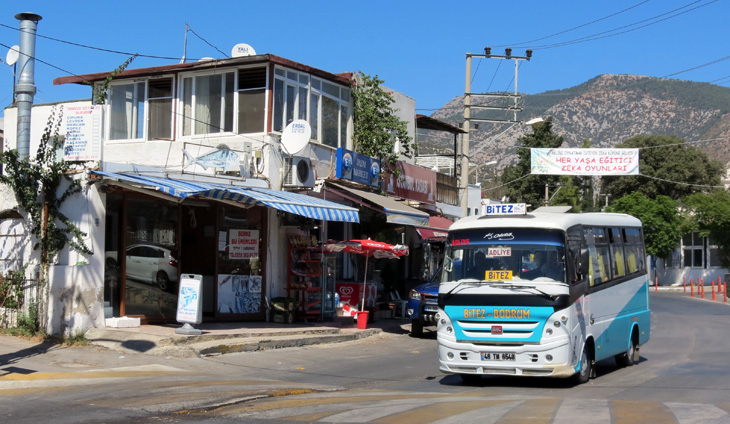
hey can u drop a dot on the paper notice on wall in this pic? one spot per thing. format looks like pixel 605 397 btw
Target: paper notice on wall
pixel 244 244
pixel 585 161
pixel 82 125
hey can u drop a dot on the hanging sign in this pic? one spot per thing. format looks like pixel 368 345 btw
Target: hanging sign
pixel 585 161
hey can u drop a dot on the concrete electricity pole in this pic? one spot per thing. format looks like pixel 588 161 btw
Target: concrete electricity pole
pixel 464 171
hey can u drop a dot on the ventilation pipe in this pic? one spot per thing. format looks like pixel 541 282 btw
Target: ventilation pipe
pixel 25 88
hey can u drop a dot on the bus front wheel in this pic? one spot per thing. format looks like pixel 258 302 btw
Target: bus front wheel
pixel 586 367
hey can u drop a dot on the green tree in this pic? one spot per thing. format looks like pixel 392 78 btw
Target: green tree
pixel 663 224
pixel 523 187
pixel 709 213
pixel 667 159
pixel 378 132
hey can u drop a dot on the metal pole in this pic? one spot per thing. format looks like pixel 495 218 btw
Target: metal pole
pixel 464 174
pixel 25 88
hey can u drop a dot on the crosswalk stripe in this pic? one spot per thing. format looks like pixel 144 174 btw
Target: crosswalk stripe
pixel 635 412
pixel 692 413
pixel 585 411
pixel 536 411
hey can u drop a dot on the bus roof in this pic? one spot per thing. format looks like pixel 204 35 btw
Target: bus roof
pixel 551 220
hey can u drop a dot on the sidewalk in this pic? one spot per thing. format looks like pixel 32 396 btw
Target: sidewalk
pixel 219 338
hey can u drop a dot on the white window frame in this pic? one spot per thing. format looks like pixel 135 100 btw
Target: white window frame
pixel 181 103
pixel 297 79
pixel 145 118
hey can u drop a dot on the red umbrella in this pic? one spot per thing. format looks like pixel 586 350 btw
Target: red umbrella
pixel 376 249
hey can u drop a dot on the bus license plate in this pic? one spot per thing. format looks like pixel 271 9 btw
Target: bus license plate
pixel 431 308
pixel 492 356
pixel 498 275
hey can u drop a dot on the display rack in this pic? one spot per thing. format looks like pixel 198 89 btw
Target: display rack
pixel 304 282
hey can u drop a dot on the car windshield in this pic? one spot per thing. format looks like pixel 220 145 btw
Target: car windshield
pixel 505 255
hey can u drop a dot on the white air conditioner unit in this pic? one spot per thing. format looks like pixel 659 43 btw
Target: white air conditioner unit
pixel 298 172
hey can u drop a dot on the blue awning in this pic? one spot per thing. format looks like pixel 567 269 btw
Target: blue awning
pixel 299 204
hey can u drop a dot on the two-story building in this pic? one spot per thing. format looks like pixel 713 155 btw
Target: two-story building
pixel 231 170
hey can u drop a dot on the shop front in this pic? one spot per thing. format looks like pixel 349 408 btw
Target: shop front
pixel 220 233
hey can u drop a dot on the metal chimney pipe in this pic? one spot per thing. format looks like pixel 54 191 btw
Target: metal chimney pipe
pixel 25 88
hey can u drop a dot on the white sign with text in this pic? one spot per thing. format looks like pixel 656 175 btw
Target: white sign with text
pixel 585 161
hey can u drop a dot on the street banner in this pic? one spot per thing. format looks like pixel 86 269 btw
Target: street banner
pixel 585 161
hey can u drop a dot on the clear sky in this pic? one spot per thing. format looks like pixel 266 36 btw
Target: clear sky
pixel 417 47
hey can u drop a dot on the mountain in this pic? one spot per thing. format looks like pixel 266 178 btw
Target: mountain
pixel 605 110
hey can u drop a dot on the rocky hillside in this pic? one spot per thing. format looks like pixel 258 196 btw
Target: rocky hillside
pixel 605 110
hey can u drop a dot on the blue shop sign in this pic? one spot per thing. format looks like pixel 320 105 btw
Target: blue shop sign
pixel 359 168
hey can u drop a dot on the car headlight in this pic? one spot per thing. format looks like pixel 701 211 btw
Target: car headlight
pixel 415 295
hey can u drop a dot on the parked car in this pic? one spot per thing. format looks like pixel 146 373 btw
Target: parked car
pixel 149 263
pixel 423 304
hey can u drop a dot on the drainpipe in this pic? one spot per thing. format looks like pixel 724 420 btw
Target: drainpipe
pixel 25 88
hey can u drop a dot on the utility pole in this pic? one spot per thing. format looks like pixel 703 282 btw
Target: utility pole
pixel 464 171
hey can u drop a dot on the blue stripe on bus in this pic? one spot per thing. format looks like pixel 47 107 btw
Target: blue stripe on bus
pixel 617 336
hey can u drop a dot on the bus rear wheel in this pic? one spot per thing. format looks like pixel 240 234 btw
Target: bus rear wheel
pixel 630 357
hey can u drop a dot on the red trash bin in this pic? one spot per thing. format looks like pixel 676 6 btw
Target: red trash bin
pixel 362 320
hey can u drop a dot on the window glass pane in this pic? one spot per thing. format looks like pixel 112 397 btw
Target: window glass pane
pixel 160 119
pixel 304 79
pixel 126 103
pixel 697 258
pixel 314 115
pixel 251 78
pixel 290 102
pixel 687 239
pixel 343 126
pixel 279 71
pixel 619 266
pixel 292 75
pixel 331 89
pixel 187 106
pixel 345 94
pixel 302 113
pixel 151 262
pixel 330 121
pixel 316 84
pixel 251 105
pixel 278 105
pixel 208 91
pixel 687 257
pixel 228 103
pixel 160 88
pixel 715 257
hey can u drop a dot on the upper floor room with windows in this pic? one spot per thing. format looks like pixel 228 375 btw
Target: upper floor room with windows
pixel 251 95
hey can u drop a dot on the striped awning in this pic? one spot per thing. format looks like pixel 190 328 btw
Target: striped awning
pixel 299 204
pixel 395 212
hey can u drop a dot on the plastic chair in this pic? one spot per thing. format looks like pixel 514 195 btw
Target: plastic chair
pixel 399 303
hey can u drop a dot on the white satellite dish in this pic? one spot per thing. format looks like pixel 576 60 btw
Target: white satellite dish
pixel 13 55
pixel 205 59
pixel 242 49
pixel 296 136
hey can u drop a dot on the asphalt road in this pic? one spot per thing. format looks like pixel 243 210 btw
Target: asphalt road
pixel 681 378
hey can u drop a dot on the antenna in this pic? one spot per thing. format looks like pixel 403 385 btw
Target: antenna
pixel 242 49
pixel 185 46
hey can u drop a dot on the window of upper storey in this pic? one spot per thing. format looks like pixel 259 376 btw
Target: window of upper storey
pixel 325 105
pixel 224 103
pixel 141 110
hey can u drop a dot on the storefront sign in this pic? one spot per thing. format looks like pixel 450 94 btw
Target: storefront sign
pixel 413 183
pixel 244 244
pixel 190 299
pixel 83 133
pixel 585 161
pixel 359 168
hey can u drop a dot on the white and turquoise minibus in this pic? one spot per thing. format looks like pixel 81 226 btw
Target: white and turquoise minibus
pixel 543 293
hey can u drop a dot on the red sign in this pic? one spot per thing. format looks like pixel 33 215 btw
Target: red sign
pixel 496 329
pixel 413 183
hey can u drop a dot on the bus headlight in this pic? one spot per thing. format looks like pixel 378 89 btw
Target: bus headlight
pixel 415 295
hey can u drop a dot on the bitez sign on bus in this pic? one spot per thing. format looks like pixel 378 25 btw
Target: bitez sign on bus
pixel 585 161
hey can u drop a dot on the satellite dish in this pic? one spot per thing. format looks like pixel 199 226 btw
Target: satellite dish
pixel 205 59
pixel 242 49
pixel 296 136
pixel 13 55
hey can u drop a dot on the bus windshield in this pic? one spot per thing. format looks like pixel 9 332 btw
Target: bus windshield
pixel 505 255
